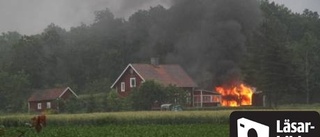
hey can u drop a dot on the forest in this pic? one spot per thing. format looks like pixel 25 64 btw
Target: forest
pixel 261 43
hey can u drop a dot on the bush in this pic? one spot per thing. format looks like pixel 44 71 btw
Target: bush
pixel 148 94
pixel 117 103
pixel 175 95
pixel 73 105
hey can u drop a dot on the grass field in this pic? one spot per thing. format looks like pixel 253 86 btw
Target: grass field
pixel 119 118
pixel 130 124
pixel 184 130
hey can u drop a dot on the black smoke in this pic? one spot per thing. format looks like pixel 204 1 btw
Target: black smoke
pixel 207 37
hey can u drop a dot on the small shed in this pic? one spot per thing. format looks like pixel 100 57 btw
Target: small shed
pixel 47 99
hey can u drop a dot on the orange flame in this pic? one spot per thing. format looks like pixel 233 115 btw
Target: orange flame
pixel 236 96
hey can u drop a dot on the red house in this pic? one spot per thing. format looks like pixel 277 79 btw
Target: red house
pixel 135 74
pixel 47 99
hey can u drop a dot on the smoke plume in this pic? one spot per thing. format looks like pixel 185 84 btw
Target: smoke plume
pixel 208 37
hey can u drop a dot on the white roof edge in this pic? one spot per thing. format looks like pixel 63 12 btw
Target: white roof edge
pixel 68 88
pixel 138 73
pixel 129 65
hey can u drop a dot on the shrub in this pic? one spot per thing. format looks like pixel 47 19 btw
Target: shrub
pixel 144 97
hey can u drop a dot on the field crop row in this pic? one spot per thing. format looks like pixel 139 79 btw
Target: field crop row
pixel 184 130
pixel 141 118
pixel 116 118
pixel 145 123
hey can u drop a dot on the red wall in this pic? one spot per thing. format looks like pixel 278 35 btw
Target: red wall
pixel 34 105
pixel 126 78
pixel 67 94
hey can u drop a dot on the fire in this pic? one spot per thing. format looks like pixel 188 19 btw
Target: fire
pixel 236 95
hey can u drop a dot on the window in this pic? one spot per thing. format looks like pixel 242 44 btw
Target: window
pixel 48 104
pixel 206 98
pixel 133 82
pixel 39 106
pixel 123 86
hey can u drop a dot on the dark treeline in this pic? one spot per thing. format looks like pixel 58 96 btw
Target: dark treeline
pixel 261 43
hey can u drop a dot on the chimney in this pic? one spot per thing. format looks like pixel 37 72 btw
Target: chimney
pixel 154 61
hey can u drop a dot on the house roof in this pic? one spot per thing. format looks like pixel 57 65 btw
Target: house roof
pixel 164 74
pixel 49 94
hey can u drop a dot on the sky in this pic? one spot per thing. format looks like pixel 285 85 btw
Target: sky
pixel 300 5
pixel 32 16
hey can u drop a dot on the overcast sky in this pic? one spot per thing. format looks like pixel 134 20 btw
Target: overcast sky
pixel 32 16
pixel 300 5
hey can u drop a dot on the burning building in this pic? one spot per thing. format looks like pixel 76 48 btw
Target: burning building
pixel 237 95
pixel 240 95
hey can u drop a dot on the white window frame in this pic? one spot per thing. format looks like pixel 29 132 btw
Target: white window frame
pixel 48 105
pixel 123 86
pixel 208 97
pixel 133 82
pixel 39 106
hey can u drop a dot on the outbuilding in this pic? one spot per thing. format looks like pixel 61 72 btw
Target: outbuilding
pixel 48 99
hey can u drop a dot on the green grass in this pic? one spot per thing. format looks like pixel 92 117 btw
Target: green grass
pixel 144 123
pixel 185 130
pixel 135 118
pixel 315 106
pixel 116 118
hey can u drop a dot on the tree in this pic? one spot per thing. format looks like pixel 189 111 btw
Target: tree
pixel 270 66
pixel 148 94
pixel 54 50
pixel 115 102
pixel 175 95
pixel 307 58
pixel 27 56
pixel 13 90
pixel 98 86
pixel 7 40
pixel 92 104
pixel 105 103
pixel 74 105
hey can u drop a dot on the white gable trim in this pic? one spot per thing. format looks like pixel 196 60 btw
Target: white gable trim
pixel 130 65
pixel 68 88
